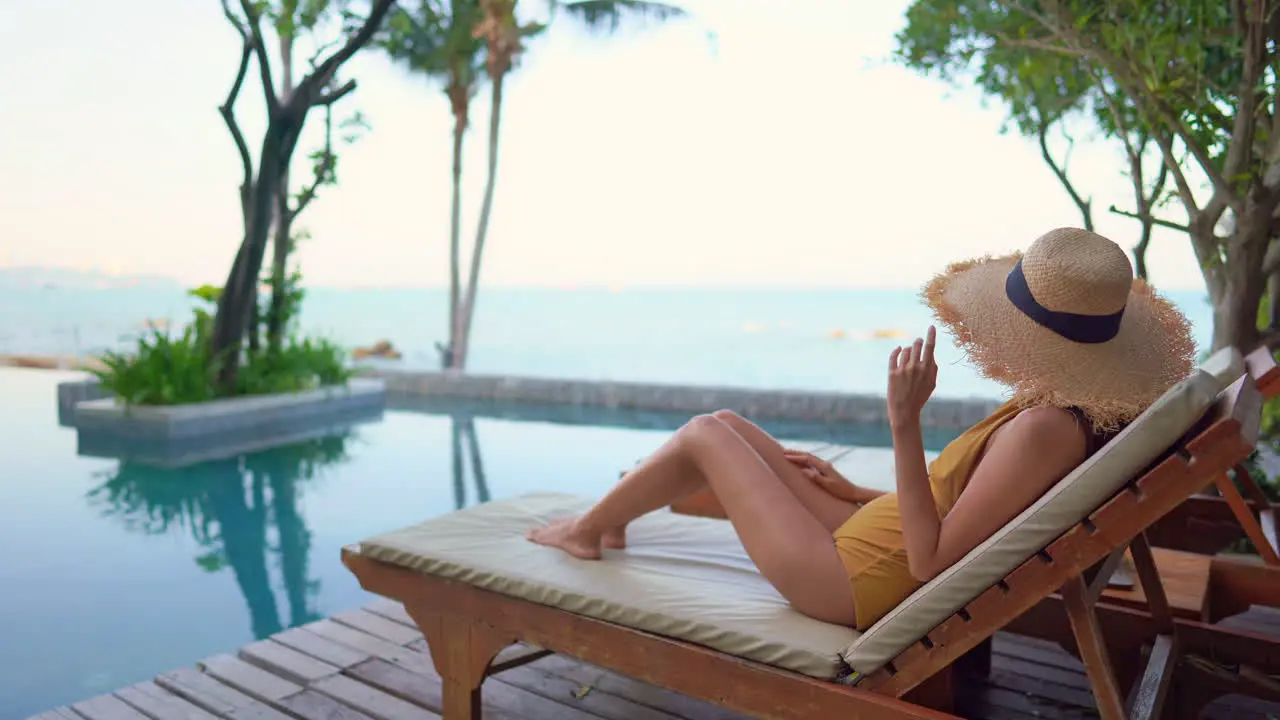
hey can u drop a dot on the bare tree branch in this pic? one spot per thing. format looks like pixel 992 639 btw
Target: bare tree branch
pixel 1271 261
pixel 1170 162
pixel 1154 220
pixel 227 110
pixel 1240 149
pixel 324 169
pixel 1136 88
pixel 320 77
pixel 335 95
pixel 1033 44
pixel 260 49
pixel 1084 205
pixel 321 50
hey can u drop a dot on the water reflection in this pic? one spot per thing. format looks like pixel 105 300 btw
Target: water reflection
pixel 229 508
pixel 464 432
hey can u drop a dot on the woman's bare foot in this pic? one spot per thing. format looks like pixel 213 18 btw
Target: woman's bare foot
pixel 570 536
pixel 615 539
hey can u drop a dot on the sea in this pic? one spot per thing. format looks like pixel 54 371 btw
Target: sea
pixel 808 339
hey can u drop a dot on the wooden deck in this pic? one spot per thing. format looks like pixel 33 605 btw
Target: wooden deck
pixel 369 664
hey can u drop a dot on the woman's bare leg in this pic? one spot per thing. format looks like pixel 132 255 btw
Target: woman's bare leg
pixel 790 547
pixel 667 469
pixel 831 511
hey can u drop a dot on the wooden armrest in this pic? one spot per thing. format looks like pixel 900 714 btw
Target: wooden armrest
pixel 1264 371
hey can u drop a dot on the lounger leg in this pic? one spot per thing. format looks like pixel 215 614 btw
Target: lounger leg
pixel 937 693
pixel 1093 650
pixel 461 650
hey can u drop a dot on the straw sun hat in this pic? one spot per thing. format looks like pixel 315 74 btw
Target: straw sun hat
pixel 1066 324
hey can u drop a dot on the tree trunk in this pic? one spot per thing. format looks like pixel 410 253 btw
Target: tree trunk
pixel 1140 250
pixel 459 98
pixel 235 306
pixel 469 302
pixel 1237 296
pixel 282 245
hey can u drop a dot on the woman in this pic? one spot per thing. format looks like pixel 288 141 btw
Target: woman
pixel 1082 345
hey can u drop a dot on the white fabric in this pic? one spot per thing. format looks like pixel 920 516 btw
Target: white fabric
pixel 680 576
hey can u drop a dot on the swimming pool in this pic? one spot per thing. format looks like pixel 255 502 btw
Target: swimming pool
pixel 113 572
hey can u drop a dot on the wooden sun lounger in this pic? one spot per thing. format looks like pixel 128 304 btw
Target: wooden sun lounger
pixel 467 626
pixel 1209 523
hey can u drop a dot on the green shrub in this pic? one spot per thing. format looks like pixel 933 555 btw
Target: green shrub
pixel 169 370
pixel 162 370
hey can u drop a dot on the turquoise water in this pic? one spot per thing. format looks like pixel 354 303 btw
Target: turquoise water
pixel 114 572
pixel 779 338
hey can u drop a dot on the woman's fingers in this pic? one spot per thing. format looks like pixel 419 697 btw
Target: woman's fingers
pixel 893 358
pixel 930 339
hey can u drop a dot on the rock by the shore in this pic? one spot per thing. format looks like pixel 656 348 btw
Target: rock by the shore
pixel 49 362
pixel 382 349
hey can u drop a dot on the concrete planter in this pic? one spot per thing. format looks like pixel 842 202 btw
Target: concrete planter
pixel 182 434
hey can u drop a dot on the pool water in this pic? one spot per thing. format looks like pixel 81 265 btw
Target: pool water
pixel 113 572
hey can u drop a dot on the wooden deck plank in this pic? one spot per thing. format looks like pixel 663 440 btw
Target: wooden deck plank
pixel 1030 685
pixel 313 705
pixel 370 700
pixel 286 662
pixel 638 692
pixel 413 660
pixel 391 610
pixel 258 711
pixel 512 656
pixel 395 680
pixel 1035 650
pixel 160 704
pixel 501 700
pixel 249 679
pixel 978 703
pixel 204 691
pixel 991 698
pixel 1074 678
pixel 378 626
pixel 320 648
pixel 582 699
pixel 107 707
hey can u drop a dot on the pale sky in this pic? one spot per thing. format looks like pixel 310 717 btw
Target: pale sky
pixel 789 152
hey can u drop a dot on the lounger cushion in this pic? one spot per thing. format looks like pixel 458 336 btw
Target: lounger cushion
pixel 1227 365
pixel 682 577
pixel 1064 505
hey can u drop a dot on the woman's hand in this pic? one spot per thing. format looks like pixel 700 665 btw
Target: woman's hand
pixel 824 475
pixel 912 377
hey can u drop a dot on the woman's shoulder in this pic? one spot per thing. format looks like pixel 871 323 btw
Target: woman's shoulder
pixel 1045 426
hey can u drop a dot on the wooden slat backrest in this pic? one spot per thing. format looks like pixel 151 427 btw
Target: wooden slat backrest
pixel 1225 437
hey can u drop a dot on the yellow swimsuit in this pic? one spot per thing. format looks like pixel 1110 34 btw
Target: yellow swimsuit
pixel 870 542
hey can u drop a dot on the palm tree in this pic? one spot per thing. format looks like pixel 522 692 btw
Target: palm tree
pixel 503 37
pixel 437 41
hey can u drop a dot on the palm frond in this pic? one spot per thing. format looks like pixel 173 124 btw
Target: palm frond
pixel 606 16
pixel 434 39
